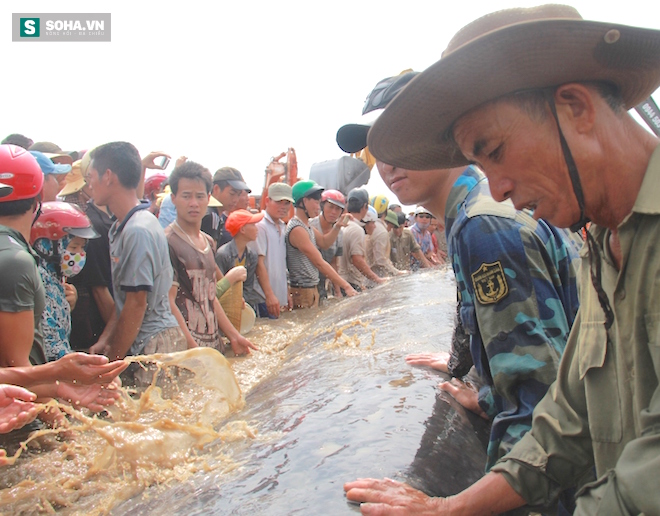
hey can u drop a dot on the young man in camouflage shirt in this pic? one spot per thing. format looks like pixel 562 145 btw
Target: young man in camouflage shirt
pixel 516 280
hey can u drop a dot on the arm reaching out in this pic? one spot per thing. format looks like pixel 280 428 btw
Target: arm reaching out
pixel 16 407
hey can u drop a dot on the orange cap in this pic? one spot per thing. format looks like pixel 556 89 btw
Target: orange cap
pixel 239 218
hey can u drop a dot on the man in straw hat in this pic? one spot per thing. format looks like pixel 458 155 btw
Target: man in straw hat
pixel 510 269
pixel 550 129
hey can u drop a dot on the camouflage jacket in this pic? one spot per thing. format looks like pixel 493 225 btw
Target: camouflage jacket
pixel 516 279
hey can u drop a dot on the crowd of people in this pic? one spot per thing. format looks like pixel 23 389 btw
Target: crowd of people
pixel 117 258
pixel 512 169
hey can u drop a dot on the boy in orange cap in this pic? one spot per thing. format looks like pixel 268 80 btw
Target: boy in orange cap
pixel 241 225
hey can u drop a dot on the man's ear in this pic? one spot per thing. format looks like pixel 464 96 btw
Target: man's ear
pixel 575 106
pixel 109 178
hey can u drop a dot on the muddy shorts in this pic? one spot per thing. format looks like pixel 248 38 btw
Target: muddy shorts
pixel 305 297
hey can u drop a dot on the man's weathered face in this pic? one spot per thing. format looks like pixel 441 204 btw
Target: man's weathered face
pixel 522 159
pixel 228 196
pixel 51 188
pixel 313 205
pixel 411 186
pixel 331 212
pixel 278 209
pixel 243 200
pixel 98 185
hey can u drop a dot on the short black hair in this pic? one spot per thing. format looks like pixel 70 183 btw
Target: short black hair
pixel 19 140
pixel 190 170
pixel 13 208
pixel 355 204
pixel 122 158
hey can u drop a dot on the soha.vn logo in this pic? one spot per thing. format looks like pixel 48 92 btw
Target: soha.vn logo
pixel 31 27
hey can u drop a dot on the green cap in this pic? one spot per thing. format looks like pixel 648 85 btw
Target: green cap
pixel 392 218
pixel 304 189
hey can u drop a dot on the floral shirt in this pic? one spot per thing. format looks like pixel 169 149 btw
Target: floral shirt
pixel 56 317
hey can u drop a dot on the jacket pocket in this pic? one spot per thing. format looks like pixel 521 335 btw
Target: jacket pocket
pixel 597 369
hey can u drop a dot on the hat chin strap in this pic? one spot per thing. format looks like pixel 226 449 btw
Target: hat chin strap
pixel 594 254
pixel 572 167
pixel 38 212
pixel 304 209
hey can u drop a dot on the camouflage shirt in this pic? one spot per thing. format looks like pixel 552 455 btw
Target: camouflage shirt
pixel 516 279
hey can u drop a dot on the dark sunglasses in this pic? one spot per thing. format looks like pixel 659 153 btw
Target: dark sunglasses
pixel 424 216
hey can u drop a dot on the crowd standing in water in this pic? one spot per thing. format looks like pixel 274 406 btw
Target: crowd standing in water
pixel 572 395
pixel 109 265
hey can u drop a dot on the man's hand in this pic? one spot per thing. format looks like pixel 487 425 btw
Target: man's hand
pixel 98 348
pixel 148 160
pixel 71 295
pixel 465 394
pixel 94 397
pixel 16 407
pixel 273 305
pixel 343 221
pixel 350 291
pixel 180 161
pixel 438 361
pixel 389 497
pixel 240 345
pixel 236 274
pixel 87 369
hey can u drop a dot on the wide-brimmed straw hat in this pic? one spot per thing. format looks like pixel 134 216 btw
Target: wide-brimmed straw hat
pixel 505 52
pixel 74 180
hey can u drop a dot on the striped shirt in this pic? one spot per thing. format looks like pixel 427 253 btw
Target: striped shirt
pixel 302 273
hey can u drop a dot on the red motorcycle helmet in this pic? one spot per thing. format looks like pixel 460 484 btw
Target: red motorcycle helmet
pixel 335 197
pixel 19 170
pixel 58 219
pixel 152 184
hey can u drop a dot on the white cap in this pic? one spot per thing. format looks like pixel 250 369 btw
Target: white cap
pixel 371 216
pixel 421 209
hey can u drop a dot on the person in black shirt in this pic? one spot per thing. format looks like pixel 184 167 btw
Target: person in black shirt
pixel 228 183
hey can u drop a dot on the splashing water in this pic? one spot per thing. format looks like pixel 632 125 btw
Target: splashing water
pixel 329 398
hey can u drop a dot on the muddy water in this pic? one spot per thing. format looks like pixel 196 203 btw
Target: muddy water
pixel 328 398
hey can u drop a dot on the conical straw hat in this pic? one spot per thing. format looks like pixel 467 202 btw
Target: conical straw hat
pixel 232 303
